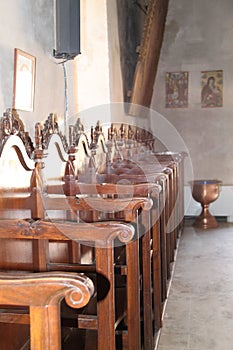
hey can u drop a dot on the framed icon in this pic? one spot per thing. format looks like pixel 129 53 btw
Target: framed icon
pixel 211 89
pixel 24 80
pixel 176 89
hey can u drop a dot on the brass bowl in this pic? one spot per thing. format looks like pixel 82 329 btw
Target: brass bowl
pixel 205 192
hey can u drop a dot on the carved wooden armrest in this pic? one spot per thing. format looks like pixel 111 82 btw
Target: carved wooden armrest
pixel 95 203
pixel 42 293
pixel 108 205
pixel 103 205
pixel 99 233
pixel 151 190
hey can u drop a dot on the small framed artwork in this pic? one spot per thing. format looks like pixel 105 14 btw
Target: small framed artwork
pixel 176 84
pixel 211 89
pixel 24 80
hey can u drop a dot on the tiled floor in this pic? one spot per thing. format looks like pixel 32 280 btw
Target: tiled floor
pixel 199 309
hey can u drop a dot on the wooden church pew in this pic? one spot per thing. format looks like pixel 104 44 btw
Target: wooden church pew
pixel 158 175
pixel 84 154
pixel 101 235
pixel 130 266
pixel 150 248
pixel 54 185
pixel 143 154
pixel 102 206
pixel 32 201
pixel 167 165
pixel 97 160
pixel 89 164
pixel 42 293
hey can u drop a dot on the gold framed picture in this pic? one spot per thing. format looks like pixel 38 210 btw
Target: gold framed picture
pixel 24 80
pixel 211 89
pixel 176 85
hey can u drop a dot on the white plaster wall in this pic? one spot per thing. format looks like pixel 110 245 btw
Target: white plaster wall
pixel 98 81
pixel 29 26
pixel 98 87
pixel 92 66
pixel 198 37
pixel 93 78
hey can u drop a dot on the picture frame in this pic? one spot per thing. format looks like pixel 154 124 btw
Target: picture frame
pixel 212 89
pixel 176 85
pixel 24 80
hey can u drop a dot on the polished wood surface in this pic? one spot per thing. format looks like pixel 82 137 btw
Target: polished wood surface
pixel 146 68
pixel 102 241
pixel 124 174
pixel 101 235
pixel 43 293
pixel 110 208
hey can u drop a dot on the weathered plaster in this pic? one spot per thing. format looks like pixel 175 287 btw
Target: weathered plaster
pixel 198 37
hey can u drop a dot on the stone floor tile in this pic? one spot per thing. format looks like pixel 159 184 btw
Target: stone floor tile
pixel 199 313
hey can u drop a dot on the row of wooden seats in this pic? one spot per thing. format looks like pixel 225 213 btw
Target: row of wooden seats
pixel 128 210
pixel 71 188
pixel 134 165
pixel 86 172
pixel 130 166
pixel 151 320
pixel 36 201
pixel 154 272
pixel 167 174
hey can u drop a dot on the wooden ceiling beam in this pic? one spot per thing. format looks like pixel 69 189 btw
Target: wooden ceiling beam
pixel 148 60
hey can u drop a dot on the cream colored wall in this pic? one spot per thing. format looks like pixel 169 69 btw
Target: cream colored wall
pixel 28 25
pixel 97 71
pixel 92 66
pixel 198 37
pixel 94 78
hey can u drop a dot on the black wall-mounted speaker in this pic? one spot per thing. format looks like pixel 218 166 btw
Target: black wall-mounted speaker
pixel 67 29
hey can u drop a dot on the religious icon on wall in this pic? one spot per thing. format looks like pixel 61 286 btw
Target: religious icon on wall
pixel 176 89
pixel 24 80
pixel 212 86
